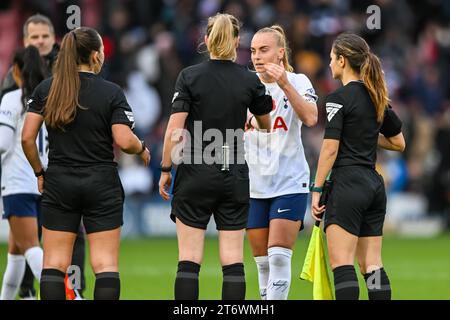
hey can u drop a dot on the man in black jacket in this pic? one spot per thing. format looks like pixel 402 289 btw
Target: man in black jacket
pixel 38 31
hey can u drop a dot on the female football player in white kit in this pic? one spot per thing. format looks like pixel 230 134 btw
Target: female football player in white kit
pixel 279 173
pixel 19 189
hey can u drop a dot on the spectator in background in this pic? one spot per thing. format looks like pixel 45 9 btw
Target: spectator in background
pixel 39 32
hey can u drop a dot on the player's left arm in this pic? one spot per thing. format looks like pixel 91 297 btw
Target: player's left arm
pixel 30 131
pixel 172 137
pixel 328 154
pixel 305 110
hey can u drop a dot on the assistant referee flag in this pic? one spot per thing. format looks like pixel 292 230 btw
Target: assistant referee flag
pixel 315 266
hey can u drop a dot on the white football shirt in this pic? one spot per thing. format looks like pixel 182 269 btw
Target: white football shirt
pixel 17 174
pixel 276 160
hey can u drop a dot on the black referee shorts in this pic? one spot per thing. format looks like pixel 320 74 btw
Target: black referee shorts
pixel 204 190
pixel 357 201
pixel 94 194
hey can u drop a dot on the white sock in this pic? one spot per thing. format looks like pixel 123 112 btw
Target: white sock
pixel 262 263
pixel 280 273
pixel 35 259
pixel 15 269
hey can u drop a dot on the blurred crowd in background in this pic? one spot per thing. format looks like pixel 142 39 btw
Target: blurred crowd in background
pixel 147 43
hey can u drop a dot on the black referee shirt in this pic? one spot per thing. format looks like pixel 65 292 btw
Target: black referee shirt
pixel 218 93
pixel 88 139
pixel 352 119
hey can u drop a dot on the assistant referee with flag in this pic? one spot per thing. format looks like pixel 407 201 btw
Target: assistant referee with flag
pixel 358 120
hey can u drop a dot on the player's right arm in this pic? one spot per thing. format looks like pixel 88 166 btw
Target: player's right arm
pixel 122 123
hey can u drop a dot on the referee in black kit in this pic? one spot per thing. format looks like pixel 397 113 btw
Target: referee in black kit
pixel 358 120
pixel 84 115
pixel 215 95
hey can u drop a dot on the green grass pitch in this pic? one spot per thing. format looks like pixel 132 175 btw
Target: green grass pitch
pixel 418 269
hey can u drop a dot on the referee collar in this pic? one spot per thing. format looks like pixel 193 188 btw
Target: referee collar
pixel 220 61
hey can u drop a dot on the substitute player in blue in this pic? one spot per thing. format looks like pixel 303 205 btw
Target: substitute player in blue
pixel 358 120
pixel 279 173
pixel 21 198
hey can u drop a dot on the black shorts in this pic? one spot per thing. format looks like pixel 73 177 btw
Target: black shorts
pixel 204 190
pixel 357 201
pixel 93 193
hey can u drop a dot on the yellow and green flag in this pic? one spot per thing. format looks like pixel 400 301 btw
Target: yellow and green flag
pixel 315 267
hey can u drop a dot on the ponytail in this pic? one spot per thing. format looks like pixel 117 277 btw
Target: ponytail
pixel 280 35
pixel 373 77
pixel 222 30
pixel 356 50
pixel 62 102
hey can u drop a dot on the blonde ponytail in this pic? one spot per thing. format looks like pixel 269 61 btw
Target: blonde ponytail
pixel 222 31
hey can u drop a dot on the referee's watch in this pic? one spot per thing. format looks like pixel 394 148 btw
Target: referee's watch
pixel 165 169
pixel 314 188
pixel 40 173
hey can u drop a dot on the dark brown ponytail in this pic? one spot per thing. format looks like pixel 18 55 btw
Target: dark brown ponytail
pixel 356 50
pixel 62 101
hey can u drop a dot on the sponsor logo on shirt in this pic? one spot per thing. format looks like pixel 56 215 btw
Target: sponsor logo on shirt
pixel 332 109
pixel 130 117
pixel 310 95
pixel 6 113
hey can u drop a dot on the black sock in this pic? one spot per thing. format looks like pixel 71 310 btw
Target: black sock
pixel 233 287
pixel 52 285
pixel 378 285
pixel 186 282
pixel 346 283
pixel 107 286
pixel 27 285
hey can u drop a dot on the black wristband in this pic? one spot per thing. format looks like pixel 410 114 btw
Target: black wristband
pixel 40 173
pixel 165 169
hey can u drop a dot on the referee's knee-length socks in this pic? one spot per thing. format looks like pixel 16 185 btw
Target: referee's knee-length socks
pixel 346 285
pixel 186 282
pixel 378 285
pixel 52 285
pixel 347 288
pixel 233 286
pixel 107 285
